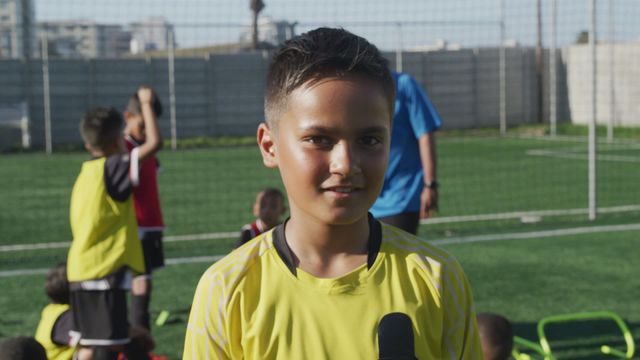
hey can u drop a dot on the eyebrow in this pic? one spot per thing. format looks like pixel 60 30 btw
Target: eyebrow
pixel 327 129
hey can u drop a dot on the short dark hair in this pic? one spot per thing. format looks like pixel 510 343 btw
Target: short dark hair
pixel 322 53
pixel 272 192
pixel 496 331
pixel 100 127
pixel 57 286
pixel 22 348
pixel 133 106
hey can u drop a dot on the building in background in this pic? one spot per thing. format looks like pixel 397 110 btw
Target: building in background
pixel 17 35
pixel 150 34
pixel 84 38
pixel 271 32
pixel 439 45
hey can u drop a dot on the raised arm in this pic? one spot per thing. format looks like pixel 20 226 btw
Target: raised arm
pixel 153 141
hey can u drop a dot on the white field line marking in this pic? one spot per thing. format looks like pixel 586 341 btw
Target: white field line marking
pixel 571 138
pixel 548 138
pixel 12 273
pixel 207 236
pixel 537 234
pixel 65 244
pixel 569 155
pixel 442 220
pixel 193 260
pixel 519 214
pixel 172 261
pixel 444 241
pixel 40 246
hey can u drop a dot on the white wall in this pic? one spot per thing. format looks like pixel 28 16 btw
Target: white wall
pixel 626 85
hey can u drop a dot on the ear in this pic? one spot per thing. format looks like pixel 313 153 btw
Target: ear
pixel 256 209
pixel 267 146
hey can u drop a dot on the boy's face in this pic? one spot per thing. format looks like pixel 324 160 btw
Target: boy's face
pixel 268 209
pixel 331 147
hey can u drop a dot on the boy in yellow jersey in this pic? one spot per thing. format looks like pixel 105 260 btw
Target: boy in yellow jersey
pixel 56 322
pixel 105 247
pixel 332 282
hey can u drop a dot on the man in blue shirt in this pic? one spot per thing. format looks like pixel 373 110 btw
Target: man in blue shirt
pixel 410 190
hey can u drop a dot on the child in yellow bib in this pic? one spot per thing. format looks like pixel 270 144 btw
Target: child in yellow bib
pixel 105 249
pixel 332 282
pixel 56 321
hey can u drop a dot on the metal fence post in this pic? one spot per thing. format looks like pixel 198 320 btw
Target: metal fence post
pixel 612 92
pixel 553 92
pixel 503 72
pixel 46 94
pixel 592 122
pixel 172 90
pixel 211 96
pixel 399 48
pixel 91 80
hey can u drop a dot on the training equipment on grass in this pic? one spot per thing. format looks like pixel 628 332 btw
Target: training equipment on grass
pixel 162 318
pixel 598 315
pixel 525 349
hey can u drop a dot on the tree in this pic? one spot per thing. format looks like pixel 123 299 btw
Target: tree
pixel 583 37
pixel 256 7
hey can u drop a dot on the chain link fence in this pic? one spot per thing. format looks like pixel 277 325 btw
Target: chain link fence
pixel 521 86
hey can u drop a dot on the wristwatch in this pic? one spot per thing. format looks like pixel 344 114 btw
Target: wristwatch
pixel 431 184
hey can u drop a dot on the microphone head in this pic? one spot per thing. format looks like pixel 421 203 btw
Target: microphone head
pixel 395 337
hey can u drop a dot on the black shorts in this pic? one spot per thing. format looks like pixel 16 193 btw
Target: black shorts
pixel 152 250
pixel 100 316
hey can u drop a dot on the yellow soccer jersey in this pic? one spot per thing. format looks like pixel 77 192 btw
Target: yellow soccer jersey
pixel 255 304
pixel 105 232
pixel 44 333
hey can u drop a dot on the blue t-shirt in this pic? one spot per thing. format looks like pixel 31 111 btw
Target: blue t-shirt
pixel 413 117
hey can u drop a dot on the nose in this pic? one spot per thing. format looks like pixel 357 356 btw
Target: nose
pixel 344 160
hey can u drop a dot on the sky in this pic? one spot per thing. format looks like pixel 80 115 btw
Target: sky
pixel 389 24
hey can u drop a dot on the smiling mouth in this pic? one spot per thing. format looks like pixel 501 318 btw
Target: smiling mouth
pixel 343 189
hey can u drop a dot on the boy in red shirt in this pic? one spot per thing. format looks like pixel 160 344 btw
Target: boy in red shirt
pixel 267 209
pixel 147 206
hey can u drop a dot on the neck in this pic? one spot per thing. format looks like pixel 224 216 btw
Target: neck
pixel 129 132
pixel 114 150
pixel 327 250
pixel 96 153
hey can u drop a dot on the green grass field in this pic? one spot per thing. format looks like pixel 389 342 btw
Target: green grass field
pixel 212 190
pixel 522 279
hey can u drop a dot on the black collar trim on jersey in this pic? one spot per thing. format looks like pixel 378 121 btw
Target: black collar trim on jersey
pixel 284 251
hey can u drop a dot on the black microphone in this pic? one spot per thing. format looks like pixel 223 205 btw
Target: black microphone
pixel 395 337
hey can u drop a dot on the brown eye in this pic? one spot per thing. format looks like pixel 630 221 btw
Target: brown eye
pixel 370 140
pixel 319 140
